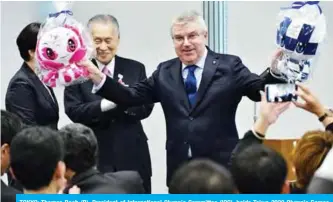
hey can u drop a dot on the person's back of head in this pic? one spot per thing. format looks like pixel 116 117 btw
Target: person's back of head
pixel 202 176
pixel 81 147
pixel 27 40
pixel 36 159
pixel 259 169
pixel 10 126
pixel 308 155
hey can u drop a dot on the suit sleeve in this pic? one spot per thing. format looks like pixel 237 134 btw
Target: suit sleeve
pixel 329 127
pixel 80 111
pixel 130 181
pixel 249 139
pixel 250 83
pixel 140 112
pixel 21 101
pixel 142 93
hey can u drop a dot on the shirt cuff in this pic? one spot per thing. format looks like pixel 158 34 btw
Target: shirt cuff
pixel 99 86
pixel 258 135
pixel 107 105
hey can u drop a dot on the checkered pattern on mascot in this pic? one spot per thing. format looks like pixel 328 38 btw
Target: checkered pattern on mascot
pixel 299 34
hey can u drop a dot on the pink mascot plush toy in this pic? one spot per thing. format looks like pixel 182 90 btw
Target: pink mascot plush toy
pixel 62 44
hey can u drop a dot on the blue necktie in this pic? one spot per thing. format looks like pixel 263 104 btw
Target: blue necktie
pixel 191 84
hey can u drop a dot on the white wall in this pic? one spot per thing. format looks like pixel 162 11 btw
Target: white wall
pixel 251 35
pixel 144 28
pixel 14 16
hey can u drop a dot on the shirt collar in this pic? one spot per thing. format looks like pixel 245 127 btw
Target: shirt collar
pixel 201 62
pixel 4 178
pixel 110 65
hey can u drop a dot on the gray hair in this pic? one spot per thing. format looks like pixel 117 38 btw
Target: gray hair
pixel 81 147
pixel 104 18
pixel 79 130
pixel 187 17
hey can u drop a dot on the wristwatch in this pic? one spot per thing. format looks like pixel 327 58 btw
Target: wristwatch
pixel 323 117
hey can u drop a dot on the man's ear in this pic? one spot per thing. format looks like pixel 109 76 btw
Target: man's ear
pixel 60 170
pixel 205 34
pixel 5 148
pixel 59 175
pixel 31 53
pixel 285 188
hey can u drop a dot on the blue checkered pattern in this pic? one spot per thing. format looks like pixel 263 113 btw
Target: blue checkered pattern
pixel 300 45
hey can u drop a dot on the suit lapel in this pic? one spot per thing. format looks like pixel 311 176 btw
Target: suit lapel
pixel 177 79
pixel 211 64
pixel 118 68
pixel 40 88
pixel 55 99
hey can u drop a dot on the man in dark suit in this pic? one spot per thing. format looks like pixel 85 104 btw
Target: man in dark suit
pixel 26 95
pixel 81 158
pixel 122 140
pixel 199 92
pixel 31 148
pixel 10 126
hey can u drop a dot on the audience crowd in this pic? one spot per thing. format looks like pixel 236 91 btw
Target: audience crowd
pixel 42 160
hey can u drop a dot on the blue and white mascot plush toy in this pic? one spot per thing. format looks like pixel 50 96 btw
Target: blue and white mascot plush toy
pixel 301 28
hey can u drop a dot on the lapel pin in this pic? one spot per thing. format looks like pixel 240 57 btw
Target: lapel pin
pixel 120 80
pixel 120 77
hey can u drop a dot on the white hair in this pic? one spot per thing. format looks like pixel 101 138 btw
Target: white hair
pixel 190 16
pixel 104 18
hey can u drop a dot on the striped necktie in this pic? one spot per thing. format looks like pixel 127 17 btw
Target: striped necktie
pixel 106 71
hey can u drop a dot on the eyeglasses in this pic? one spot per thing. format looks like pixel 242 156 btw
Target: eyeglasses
pixel 180 39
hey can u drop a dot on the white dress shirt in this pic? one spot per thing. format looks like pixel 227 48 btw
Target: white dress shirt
pixel 106 105
pixel 4 178
pixel 198 71
pixel 48 90
pixel 110 66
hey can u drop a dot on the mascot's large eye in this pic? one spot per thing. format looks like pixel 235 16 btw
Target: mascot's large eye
pixel 300 47
pixel 71 45
pixel 49 53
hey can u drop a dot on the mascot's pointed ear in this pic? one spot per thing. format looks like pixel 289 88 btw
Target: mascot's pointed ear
pixel 62 35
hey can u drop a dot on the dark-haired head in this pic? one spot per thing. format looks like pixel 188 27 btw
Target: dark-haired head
pixel 259 169
pixel 202 176
pixel 27 40
pixel 36 157
pixel 10 126
pixel 81 148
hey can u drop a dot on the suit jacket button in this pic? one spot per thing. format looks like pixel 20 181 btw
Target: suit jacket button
pixel 191 118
